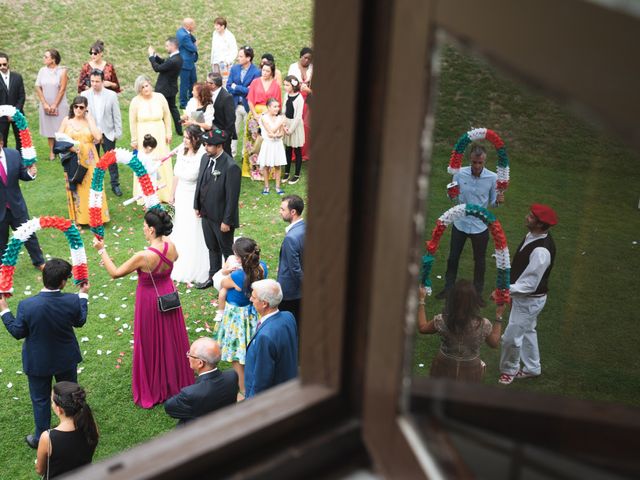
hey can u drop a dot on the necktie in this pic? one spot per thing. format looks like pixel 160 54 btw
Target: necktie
pixel 3 173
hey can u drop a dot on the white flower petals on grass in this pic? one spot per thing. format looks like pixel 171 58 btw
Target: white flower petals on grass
pixel 9 385
pixel 84 339
pixel 102 315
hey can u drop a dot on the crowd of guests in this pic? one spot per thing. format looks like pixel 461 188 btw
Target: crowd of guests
pixel 256 325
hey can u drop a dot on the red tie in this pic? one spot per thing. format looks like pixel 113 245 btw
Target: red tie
pixel 3 173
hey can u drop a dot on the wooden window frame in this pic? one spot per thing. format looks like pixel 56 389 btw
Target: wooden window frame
pixel 373 90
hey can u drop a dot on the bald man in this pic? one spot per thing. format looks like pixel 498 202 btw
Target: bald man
pixel 188 46
pixel 213 389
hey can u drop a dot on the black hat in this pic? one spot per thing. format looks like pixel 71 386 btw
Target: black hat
pixel 214 137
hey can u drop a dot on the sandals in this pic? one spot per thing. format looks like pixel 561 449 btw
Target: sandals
pixel 522 374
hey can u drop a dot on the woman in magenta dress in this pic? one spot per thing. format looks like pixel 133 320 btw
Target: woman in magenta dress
pixel 260 90
pixel 160 367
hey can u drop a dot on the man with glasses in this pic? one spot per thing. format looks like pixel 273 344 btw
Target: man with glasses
pixel 213 389
pixel 240 77
pixel 103 104
pixel 11 93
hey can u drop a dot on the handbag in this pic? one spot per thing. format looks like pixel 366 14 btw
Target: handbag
pixel 167 302
pixel 79 174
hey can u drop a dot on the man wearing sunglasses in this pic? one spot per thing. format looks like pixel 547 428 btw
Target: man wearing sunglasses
pixel 11 93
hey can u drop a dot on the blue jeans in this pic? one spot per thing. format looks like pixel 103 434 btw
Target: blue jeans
pixel 40 392
pixel 479 243
pixel 187 78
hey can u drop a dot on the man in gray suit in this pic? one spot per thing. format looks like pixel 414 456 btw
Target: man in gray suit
pixel 103 105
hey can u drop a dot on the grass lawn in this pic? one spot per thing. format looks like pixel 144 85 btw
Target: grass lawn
pixel 127 28
pixel 588 331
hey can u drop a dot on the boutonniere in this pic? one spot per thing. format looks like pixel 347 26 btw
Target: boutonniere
pixel 216 174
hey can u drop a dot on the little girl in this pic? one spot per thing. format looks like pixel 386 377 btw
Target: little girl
pixel 232 264
pixel 148 159
pixel 293 126
pixel 272 153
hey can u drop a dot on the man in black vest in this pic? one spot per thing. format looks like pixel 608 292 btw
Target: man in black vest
pixel 530 271
pixel 216 200
pixel 168 71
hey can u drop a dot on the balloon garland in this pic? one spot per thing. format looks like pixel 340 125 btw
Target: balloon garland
pixel 79 270
pixel 455 161
pixel 503 264
pixel 125 157
pixel 27 150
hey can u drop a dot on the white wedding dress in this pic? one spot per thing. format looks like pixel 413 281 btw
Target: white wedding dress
pixel 193 256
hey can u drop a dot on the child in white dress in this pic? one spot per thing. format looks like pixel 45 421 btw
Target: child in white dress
pixel 272 155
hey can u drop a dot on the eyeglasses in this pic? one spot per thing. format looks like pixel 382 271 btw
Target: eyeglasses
pixel 79 107
pixel 194 357
pixel 93 52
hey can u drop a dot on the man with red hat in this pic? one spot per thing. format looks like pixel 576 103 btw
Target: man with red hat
pixel 530 271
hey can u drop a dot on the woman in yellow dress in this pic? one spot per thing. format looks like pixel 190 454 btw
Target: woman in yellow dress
pixel 149 114
pixel 81 126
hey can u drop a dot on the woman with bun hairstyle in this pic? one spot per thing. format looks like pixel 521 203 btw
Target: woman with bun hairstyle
pixel 160 367
pixel 96 62
pixel 72 443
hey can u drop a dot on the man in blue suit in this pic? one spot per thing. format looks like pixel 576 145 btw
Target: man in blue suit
pixel 240 77
pixel 213 389
pixel 188 46
pixel 290 269
pixel 272 353
pixel 13 209
pixel 50 349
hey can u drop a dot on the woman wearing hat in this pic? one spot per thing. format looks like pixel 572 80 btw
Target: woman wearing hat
pixel 530 269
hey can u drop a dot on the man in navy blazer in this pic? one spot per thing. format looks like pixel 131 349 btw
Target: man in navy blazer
pixel 50 349
pixel 240 77
pixel 213 389
pixel 11 93
pixel 290 266
pixel 272 353
pixel 188 46
pixel 13 209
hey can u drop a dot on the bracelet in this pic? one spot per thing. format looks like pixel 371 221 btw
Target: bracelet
pixel 101 251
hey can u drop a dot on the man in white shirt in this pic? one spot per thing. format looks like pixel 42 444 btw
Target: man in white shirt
pixel 223 47
pixel 11 93
pixel 530 271
pixel 103 105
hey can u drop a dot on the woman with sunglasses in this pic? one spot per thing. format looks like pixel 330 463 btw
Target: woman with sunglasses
pixel 51 86
pixel 81 126
pixel 96 62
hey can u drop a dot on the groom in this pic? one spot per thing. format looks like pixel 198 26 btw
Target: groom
pixel 216 200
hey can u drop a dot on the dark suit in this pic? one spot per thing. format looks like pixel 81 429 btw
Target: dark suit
pixel 16 214
pixel 50 349
pixel 272 354
pixel 13 96
pixel 167 83
pixel 290 269
pixel 210 392
pixel 216 199
pixel 225 116
pixel 188 73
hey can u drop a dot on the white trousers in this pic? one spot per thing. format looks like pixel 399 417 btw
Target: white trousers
pixel 520 339
pixel 241 117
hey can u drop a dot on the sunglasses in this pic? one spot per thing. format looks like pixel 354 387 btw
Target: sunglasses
pixel 3 64
pixel 79 107
pixel 92 52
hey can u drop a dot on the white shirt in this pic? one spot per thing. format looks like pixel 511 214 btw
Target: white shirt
pixel 539 261
pixel 223 47
pixel 98 108
pixel 208 371
pixel 264 319
pixel 292 224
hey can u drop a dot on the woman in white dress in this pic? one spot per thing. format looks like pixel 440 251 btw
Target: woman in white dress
pixel 187 228
pixel 272 155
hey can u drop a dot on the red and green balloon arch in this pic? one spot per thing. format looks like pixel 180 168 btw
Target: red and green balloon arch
pixel 503 263
pixel 80 270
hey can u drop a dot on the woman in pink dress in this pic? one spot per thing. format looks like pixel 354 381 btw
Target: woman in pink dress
pixel 260 90
pixel 160 367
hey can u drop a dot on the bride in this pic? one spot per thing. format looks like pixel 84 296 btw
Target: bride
pixel 192 265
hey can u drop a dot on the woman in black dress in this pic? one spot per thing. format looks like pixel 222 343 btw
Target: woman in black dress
pixel 72 443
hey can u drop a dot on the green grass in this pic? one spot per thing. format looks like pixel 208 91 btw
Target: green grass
pixel 588 331
pixel 127 28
